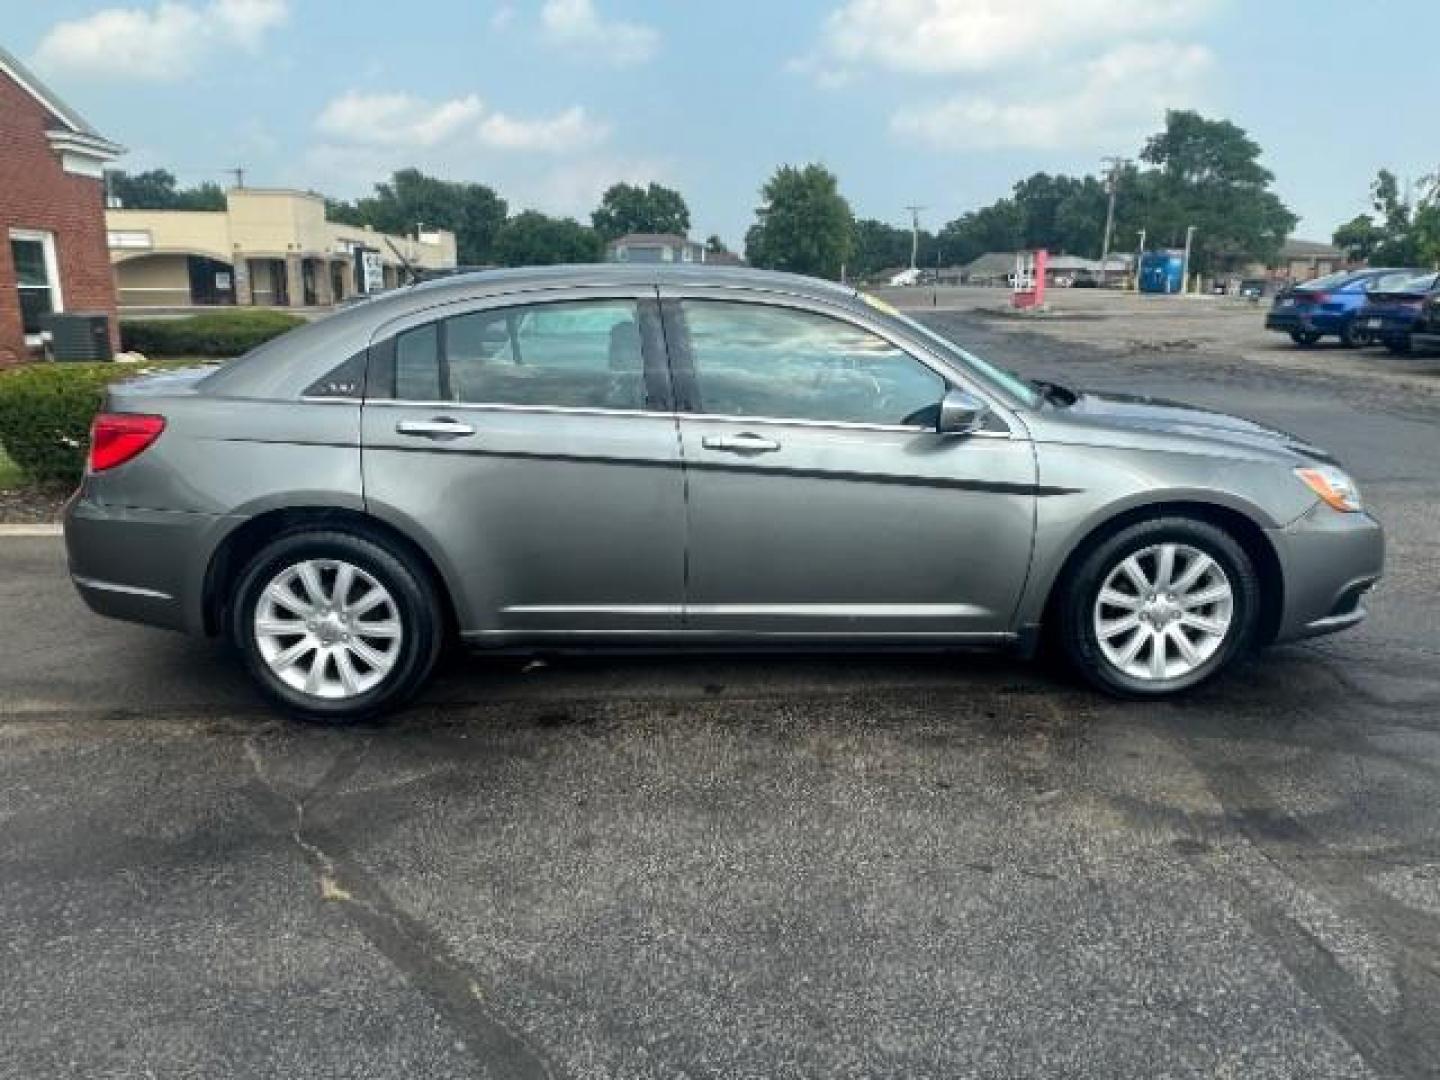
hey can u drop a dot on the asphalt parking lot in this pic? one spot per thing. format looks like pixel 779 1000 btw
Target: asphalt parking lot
pixel 874 866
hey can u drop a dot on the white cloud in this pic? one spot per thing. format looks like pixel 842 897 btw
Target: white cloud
pixel 502 17
pixel 940 37
pixel 565 131
pixel 397 119
pixel 160 43
pixel 1119 96
pixel 576 24
pixel 403 120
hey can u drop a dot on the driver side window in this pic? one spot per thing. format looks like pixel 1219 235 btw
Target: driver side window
pixel 762 361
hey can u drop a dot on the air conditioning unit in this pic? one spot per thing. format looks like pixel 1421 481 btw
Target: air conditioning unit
pixel 80 336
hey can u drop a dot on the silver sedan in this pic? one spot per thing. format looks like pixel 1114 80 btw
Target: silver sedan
pixel 605 456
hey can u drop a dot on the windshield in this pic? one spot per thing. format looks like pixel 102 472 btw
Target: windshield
pixel 996 378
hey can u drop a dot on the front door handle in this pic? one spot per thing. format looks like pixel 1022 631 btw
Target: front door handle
pixel 442 427
pixel 744 443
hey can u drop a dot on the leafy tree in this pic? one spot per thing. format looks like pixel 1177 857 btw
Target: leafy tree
pixel 715 246
pixel 535 239
pixel 629 208
pixel 1207 174
pixel 473 212
pixel 1359 237
pixel 997 227
pixel 804 225
pixel 156 190
pixel 881 246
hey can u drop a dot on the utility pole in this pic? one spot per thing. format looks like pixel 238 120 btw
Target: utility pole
pixel 239 173
pixel 1112 182
pixel 914 233
pixel 1185 266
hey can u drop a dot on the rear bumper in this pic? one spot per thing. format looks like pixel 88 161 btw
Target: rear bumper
pixel 1330 561
pixel 144 566
pixel 1293 321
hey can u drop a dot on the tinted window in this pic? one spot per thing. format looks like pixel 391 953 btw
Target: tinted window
pixel 753 360
pixel 417 364
pixel 583 355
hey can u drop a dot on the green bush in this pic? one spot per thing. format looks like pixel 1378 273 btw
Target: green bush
pixel 45 414
pixel 222 333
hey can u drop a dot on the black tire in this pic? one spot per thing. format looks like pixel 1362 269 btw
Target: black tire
pixel 1304 338
pixel 416 603
pixel 1398 345
pixel 1352 336
pixel 1078 639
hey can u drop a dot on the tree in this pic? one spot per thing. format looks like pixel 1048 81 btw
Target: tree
pixel 1207 174
pixel 156 190
pixel 629 208
pixel 715 246
pixel 997 227
pixel 804 224
pixel 1359 237
pixel 473 212
pixel 535 239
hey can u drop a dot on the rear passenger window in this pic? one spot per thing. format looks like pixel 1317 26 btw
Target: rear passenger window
pixel 417 364
pixel 584 354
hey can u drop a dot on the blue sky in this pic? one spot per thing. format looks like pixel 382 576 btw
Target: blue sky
pixel 943 103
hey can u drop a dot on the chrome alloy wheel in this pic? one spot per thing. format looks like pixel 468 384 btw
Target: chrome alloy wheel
pixel 1163 611
pixel 328 629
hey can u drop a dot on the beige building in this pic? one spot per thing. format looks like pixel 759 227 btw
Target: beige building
pixel 268 247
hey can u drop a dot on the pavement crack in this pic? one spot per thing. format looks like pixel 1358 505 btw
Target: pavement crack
pixel 411 947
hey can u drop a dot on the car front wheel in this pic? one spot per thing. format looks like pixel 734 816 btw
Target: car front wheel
pixel 1304 338
pixel 1159 607
pixel 336 627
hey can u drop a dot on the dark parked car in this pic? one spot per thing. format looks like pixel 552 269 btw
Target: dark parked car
pixel 609 456
pixel 1426 334
pixel 1395 309
pixel 1331 305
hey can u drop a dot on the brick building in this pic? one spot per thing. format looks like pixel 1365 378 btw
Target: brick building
pixel 53 252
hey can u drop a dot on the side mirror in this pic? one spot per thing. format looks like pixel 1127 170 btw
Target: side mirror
pixel 961 413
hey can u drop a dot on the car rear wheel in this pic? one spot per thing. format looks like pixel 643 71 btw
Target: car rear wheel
pixel 1304 338
pixel 336 627
pixel 1352 336
pixel 1159 607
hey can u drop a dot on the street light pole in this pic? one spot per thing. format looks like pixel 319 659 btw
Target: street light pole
pixel 1139 254
pixel 1185 266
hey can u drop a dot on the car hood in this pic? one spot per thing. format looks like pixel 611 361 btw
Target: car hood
pixel 1147 418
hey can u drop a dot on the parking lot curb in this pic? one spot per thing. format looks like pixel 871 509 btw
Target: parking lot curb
pixel 29 530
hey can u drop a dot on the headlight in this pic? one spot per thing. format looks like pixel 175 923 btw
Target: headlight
pixel 1334 487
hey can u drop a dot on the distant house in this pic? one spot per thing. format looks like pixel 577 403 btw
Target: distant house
pixel 655 248
pixel 1301 260
pixel 53 256
pixel 992 268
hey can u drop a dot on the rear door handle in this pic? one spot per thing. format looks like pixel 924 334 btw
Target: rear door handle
pixel 744 443
pixel 442 427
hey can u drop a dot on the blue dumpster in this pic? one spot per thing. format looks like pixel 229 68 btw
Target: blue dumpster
pixel 1162 271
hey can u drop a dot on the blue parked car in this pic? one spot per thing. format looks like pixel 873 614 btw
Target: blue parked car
pixel 1331 305
pixel 1394 310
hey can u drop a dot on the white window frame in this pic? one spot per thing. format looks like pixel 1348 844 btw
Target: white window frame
pixel 46 240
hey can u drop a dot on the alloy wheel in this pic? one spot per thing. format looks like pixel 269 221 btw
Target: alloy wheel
pixel 1163 611
pixel 328 628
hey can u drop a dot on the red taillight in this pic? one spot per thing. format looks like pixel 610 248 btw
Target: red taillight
pixel 115 438
pixel 1317 297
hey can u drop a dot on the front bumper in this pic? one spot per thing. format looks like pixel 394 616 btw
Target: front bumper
pixel 144 566
pixel 1330 560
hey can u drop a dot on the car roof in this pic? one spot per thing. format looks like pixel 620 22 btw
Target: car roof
pixel 693 275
